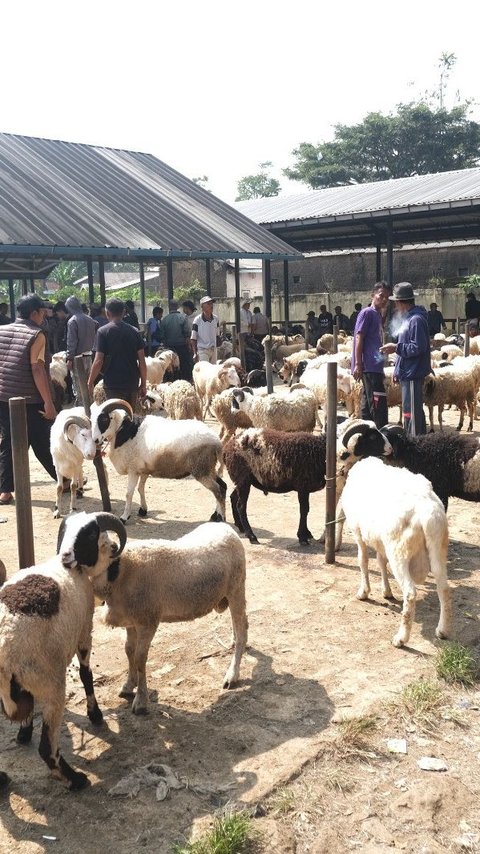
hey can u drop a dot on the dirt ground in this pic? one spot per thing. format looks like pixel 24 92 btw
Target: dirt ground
pixel 316 657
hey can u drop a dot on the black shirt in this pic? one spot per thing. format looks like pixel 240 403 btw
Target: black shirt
pixel 120 344
pixel 472 309
pixel 325 323
pixel 131 318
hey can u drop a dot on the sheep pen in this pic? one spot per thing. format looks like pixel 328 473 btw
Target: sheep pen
pixel 310 659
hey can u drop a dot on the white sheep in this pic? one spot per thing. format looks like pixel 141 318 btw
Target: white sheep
pixel 158 581
pixel 289 413
pixel 46 615
pixel 291 363
pixel 280 349
pixel 159 364
pixel 457 384
pixel 407 527
pixel 180 400
pixel 212 379
pixel 70 444
pixel 158 447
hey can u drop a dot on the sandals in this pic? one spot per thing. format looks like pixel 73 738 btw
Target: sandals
pixel 8 498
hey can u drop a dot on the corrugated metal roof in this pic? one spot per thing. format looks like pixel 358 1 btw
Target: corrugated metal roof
pixel 115 204
pixel 399 195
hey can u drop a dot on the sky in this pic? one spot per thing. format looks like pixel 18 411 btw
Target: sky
pixel 215 88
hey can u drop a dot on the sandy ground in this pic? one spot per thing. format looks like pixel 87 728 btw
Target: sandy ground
pixel 316 656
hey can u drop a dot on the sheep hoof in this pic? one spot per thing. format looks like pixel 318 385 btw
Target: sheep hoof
pixel 441 634
pixel 398 641
pixel 126 693
pixel 96 716
pixel 56 513
pixel 139 710
pixel 124 520
pixel 216 517
pixel 79 493
pixel 363 595
pixel 303 542
pixel 78 781
pixel 24 734
pixel 229 682
pixel 142 511
pixel 254 540
pixel 4 780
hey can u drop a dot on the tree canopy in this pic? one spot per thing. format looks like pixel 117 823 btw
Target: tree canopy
pixel 415 140
pixel 259 185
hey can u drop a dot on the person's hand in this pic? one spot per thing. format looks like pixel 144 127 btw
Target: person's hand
pixel 388 348
pixel 358 372
pixel 70 364
pixel 395 380
pixel 50 413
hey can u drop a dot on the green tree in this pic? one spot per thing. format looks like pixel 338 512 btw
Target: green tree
pixel 67 272
pixel 258 186
pixel 202 181
pixel 193 291
pixel 420 137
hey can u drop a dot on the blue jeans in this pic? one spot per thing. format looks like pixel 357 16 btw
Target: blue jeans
pixel 412 404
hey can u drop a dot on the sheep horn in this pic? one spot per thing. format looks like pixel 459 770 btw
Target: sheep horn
pixel 109 522
pixel 247 389
pixel 79 420
pixel 361 427
pixel 117 403
pixel 393 430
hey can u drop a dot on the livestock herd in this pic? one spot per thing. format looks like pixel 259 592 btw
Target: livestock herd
pixel 46 611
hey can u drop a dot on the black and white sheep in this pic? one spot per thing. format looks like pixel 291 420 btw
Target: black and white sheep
pixel 46 615
pixel 398 514
pixel 158 581
pixel 158 447
pixel 70 444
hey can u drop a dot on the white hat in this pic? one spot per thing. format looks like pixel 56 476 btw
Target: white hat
pixel 206 299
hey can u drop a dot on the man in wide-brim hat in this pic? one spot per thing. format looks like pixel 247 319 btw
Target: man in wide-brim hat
pixel 413 355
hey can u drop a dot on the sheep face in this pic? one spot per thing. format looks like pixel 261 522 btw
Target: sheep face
pixel 362 439
pixel 83 540
pixel 229 375
pixel 106 426
pixel 82 438
pixel 238 398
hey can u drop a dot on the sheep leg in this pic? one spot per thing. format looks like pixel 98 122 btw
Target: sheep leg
pixel 440 416
pixel 386 589
pixel 128 689
pixel 243 492
pixel 142 510
pixel 236 517
pixel 408 610
pixel 470 407
pixel 57 510
pixel 144 639
pixel 462 415
pixel 24 734
pixel 219 488
pixel 240 630
pixel 132 482
pixel 93 711
pixel 49 750
pixel 364 589
pixel 430 418
pixel 303 534
pixel 73 493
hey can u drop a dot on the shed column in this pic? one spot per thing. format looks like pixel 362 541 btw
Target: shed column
pixel 11 295
pixel 91 293
pixel 267 288
pixel 286 310
pixel 237 295
pixel 390 254
pixel 378 260
pixel 170 278
pixel 32 284
pixel 101 279
pixel 142 293
pixel 208 277
pixel 24 287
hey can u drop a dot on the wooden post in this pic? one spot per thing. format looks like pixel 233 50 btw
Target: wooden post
pixel 331 460
pixel 457 326
pixel 143 316
pixel 234 340
pixel 268 364
pixel 241 351
pixel 466 346
pixel 81 378
pixel 335 336
pixel 307 343
pixel 21 479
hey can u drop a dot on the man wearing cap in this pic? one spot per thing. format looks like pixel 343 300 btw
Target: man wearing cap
pixel 246 319
pixel 24 361
pixel 410 327
pixel 205 331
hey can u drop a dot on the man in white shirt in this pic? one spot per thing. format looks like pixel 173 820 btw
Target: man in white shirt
pixel 205 330
pixel 246 319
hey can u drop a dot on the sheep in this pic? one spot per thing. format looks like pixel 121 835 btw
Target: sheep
pixel 160 363
pixel 230 420
pixel 289 413
pixel 450 461
pixel 280 349
pixel 152 402
pixel 58 374
pixel 314 377
pixel 224 350
pixel 157 581
pixel 325 342
pixel 212 379
pixel 409 530
pixel 46 615
pixel 275 462
pixel 160 448
pixel 70 443
pixel 456 384
pixel 256 378
pixel 180 400
pixel 291 363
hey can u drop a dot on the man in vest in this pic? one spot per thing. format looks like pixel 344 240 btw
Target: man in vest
pixel 24 361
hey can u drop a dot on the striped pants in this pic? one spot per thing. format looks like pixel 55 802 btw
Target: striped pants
pixel 412 404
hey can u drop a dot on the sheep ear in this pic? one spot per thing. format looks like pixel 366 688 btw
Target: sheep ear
pixel 245 388
pixel 61 534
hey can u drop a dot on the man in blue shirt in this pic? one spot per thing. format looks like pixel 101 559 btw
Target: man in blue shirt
pixel 413 364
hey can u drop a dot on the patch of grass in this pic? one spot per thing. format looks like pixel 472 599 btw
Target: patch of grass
pixel 422 697
pixel 229 835
pixel 337 779
pixel 354 731
pixel 283 801
pixel 456 664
